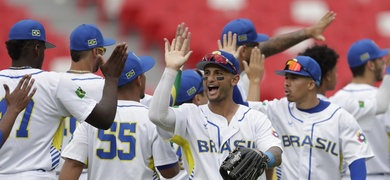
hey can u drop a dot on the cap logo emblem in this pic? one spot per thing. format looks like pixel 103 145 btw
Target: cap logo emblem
pixel 242 37
pixel 92 42
pixel 191 91
pixel 36 32
pixel 365 56
pixel 130 74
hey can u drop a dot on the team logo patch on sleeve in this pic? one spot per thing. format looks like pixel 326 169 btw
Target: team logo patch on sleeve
pixel 80 92
pixel 361 137
pixel 361 104
pixel 274 133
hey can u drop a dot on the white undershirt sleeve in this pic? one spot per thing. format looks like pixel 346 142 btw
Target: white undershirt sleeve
pixel 159 111
pixel 383 95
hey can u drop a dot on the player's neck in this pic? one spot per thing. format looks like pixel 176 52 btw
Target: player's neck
pixel 308 102
pixel 80 68
pixel 226 108
pixel 363 80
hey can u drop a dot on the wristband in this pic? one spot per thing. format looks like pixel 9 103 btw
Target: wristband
pixel 388 70
pixel 271 158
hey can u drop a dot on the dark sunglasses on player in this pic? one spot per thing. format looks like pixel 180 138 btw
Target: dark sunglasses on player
pixel 219 59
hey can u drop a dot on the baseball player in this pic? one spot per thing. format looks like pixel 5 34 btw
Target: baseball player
pixel 208 133
pixel 248 38
pixel 85 61
pixel 15 102
pixel 191 88
pixel 365 59
pixel 32 150
pixel 314 133
pixel 131 146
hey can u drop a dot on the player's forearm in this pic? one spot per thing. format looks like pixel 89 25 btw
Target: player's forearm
pixel 276 158
pixel 159 112
pixel 104 112
pixel 383 95
pixel 71 170
pixel 171 171
pixel 282 42
pixel 254 91
pixel 6 125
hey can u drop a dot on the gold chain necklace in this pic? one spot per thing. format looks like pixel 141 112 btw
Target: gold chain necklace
pixel 78 72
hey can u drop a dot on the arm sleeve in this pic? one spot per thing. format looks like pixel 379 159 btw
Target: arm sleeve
pixel 383 95
pixel 358 169
pixel 159 111
pixel 77 149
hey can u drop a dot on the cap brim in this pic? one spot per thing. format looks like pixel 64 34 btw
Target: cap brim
pixel 384 52
pixel 283 73
pixel 147 63
pixel 108 42
pixel 262 37
pixel 49 45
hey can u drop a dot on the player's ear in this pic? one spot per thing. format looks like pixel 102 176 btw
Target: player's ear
pixel 235 80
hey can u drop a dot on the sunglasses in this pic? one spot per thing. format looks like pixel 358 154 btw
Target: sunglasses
pixel 293 65
pixel 219 59
pixel 102 49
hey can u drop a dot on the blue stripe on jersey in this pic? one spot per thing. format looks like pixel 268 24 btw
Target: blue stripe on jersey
pixel 278 172
pixel 357 90
pixel 20 76
pixel 83 79
pixel 166 166
pixel 289 110
pixel 243 115
pixel 132 106
pixel 1 138
pixel 321 106
pixel 56 155
pixel 219 133
pixel 311 136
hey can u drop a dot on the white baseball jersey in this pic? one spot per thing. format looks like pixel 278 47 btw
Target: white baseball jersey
pixel 146 100
pixel 313 140
pixel 243 85
pixel 91 84
pixel 373 126
pixel 207 139
pixel 130 148
pixel 35 140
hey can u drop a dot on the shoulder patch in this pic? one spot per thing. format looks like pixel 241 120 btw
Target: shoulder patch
pixel 80 92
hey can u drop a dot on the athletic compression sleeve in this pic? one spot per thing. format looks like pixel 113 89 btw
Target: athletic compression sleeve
pixel 383 95
pixel 159 111
pixel 358 169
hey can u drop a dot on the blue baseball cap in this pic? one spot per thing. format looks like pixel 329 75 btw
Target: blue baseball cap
pixel 229 62
pixel 309 68
pixel 29 30
pixel 134 67
pixel 88 36
pixel 362 51
pixel 191 84
pixel 245 30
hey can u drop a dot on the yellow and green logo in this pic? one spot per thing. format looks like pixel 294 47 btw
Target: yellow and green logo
pixel 130 74
pixel 92 42
pixel 36 32
pixel 80 92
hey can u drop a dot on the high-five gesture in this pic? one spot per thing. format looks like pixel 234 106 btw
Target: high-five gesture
pixel 178 51
pixel 315 31
pixel 115 63
pixel 229 44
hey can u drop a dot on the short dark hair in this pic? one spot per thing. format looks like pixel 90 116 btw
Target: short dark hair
pixel 358 70
pixel 77 55
pixel 326 57
pixel 16 48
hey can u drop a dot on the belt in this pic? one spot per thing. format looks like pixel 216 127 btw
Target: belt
pixel 378 174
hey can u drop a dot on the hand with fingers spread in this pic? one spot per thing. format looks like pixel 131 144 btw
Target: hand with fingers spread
pixel 181 31
pixel 16 102
pixel 21 96
pixel 255 69
pixel 315 31
pixel 178 52
pixel 116 62
pixel 229 44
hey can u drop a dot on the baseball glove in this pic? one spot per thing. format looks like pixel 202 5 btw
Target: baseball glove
pixel 244 164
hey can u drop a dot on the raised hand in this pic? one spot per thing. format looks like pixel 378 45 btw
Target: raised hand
pixel 229 44
pixel 21 96
pixel 116 62
pixel 255 69
pixel 181 31
pixel 315 31
pixel 178 51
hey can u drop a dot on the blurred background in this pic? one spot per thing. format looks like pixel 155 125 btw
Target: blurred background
pixel 144 24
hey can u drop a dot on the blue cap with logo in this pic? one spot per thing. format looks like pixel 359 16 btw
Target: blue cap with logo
pixel 29 30
pixel 245 30
pixel 88 36
pixel 363 51
pixel 191 84
pixel 134 67
pixel 307 67
pixel 229 62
